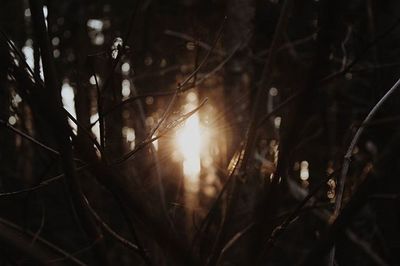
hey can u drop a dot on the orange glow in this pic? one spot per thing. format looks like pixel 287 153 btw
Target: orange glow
pixel 189 142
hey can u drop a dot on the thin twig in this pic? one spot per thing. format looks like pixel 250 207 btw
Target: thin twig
pixel 152 138
pixel 343 46
pixel 121 49
pixel 141 250
pixel 118 237
pixel 283 226
pixel 171 92
pixel 40 185
pixel 354 141
pixel 335 75
pixel 347 157
pixel 37 234
pixel 232 241
pixel 21 57
pixel 42 241
pixel 83 129
pixel 187 79
pixel 366 248
pixel 189 38
pixel 26 136
pixel 74 253
pixel 270 61
pixel 373 43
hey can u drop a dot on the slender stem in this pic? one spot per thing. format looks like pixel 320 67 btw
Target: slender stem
pixel 114 234
pixel 40 185
pixel 354 141
pixel 26 136
pixel 153 138
pixel 348 155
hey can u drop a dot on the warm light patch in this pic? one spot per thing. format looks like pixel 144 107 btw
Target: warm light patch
pixel 304 172
pixel 95 24
pixel 94 80
pixel 12 120
pixel 277 122
pixel 68 95
pixel 27 50
pixel 130 136
pixel 126 88
pixel 189 142
pixel 125 68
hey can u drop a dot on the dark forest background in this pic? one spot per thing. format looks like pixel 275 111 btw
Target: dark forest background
pixel 290 147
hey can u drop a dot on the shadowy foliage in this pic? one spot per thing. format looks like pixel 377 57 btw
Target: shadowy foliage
pixel 190 132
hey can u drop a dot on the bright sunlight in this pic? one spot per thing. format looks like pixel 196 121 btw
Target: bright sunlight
pixel 189 142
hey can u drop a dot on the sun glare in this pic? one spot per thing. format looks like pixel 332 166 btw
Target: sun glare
pixel 188 140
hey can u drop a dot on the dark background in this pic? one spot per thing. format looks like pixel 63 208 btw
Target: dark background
pixel 317 68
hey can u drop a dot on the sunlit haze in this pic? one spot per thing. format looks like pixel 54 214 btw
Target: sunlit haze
pixel 189 142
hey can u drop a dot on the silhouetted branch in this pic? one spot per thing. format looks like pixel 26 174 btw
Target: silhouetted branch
pixel 40 185
pixel 42 252
pixel 115 235
pixel 347 157
pixel 191 39
pixel 151 138
pixel 26 136
pixel 366 248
